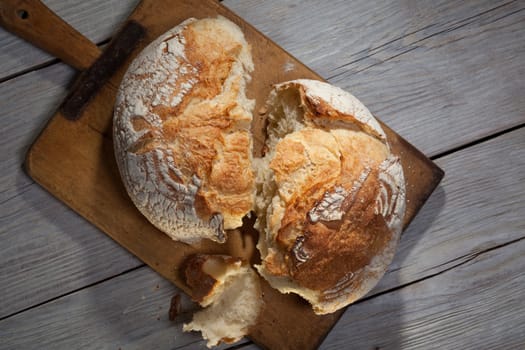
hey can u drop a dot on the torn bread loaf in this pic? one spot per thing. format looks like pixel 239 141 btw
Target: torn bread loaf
pixel 329 193
pixel 181 130
pixel 330 198
pixel 231 294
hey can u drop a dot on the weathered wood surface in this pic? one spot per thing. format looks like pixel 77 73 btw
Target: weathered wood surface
pixel 479 205
pixel 55 250
pixel 95 19
pixel 128 312
pixel 407 62
pixel 477 305
pixel 443 247
pixel 437 72
pixel 461 79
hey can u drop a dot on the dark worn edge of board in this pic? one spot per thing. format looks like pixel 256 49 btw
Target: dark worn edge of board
pixel 93 79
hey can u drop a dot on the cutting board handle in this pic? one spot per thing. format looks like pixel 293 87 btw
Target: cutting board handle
pixel 36 23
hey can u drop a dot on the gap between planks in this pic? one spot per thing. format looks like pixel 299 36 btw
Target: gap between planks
pixel 464 260
pixel 373 51
pixel 477 141
pixel 73 291
pixel 414 39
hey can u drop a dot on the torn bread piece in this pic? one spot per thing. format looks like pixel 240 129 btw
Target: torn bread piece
pixel 181 130
pixel 330 196
pixel 231 293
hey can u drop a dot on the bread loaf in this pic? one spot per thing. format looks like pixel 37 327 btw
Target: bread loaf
pixel 329 193
pixel 230 291
pixel 331 196
pixel 181 130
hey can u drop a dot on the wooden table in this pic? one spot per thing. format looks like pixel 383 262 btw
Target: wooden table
pixel 447 75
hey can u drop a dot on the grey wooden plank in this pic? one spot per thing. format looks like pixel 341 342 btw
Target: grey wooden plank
pixel 328 35
pixel 47 250
pixel 96 19
pixel 436 66
pixel 403 90
pixel 126 312
pixel 478 305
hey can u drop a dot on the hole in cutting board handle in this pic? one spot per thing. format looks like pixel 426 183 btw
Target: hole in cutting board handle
pixel 22 14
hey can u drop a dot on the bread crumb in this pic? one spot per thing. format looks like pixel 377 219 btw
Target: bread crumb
pixel 174 307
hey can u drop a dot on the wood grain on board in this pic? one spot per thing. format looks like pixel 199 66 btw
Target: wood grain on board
pixel 74 161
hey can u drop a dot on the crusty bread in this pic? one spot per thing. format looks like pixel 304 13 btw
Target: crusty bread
pixel 331 196
pixel 181 130
pixel 230 291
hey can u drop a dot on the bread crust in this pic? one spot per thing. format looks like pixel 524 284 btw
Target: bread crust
pixel 181 130
pixel 231 292
pixel 332 226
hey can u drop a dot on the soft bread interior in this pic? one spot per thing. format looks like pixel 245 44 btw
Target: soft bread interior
pixel 233 304
pixel 285 117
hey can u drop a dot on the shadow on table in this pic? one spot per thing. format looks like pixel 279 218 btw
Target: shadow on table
pixel 376 321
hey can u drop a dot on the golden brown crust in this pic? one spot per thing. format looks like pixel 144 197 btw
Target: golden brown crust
pixel 332 212
pixel 333 247
pixel 201 131
pixel 181 130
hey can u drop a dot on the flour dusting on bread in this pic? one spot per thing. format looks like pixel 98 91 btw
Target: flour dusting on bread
pixel 181 130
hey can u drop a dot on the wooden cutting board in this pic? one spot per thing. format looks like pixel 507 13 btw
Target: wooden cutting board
pixel 73 159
